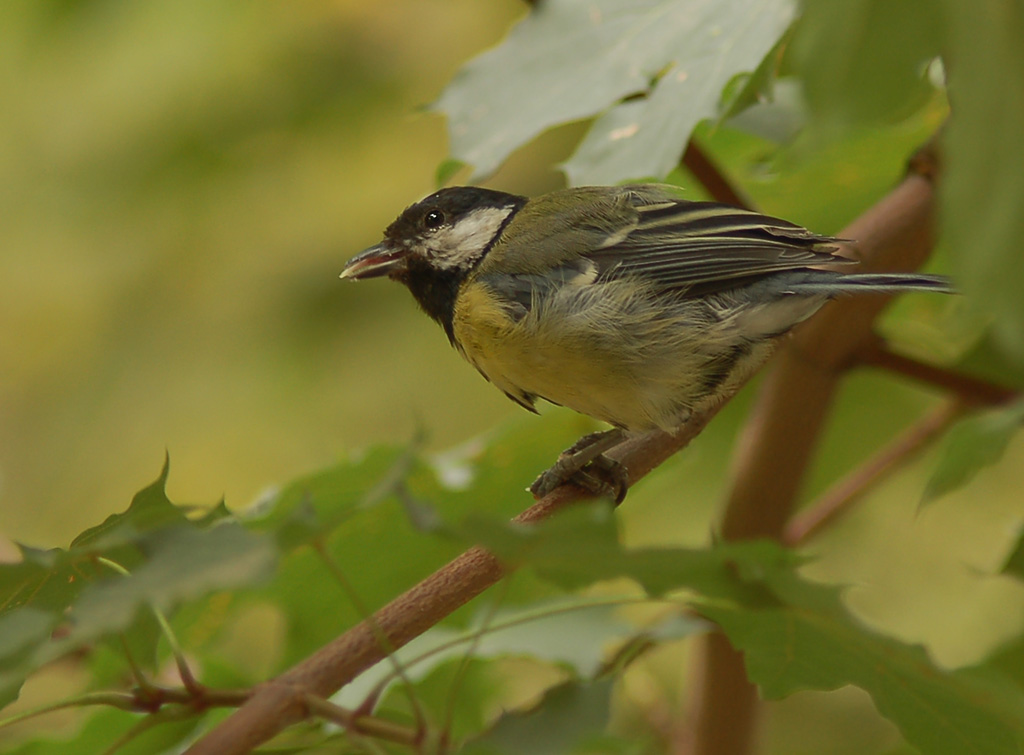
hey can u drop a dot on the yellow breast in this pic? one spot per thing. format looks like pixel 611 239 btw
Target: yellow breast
pixel 606 351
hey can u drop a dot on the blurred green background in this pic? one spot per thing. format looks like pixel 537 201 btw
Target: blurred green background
pixel 183 182
pixel 182 185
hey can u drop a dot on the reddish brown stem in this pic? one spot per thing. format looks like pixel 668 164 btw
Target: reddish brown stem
pixel 282 701
pixel 842 496
pixel 968 388
pixel 711 178
pixel 778 443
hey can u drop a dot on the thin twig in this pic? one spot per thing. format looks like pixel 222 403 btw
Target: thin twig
pixel 279 703
pixel 120 700
pixel 149 722
pixel 142 683
pixel 367 616
pixel 841 497
pixel 779 440
pixel 467 658
pixel 184 671
pixel 967 390
pixel 711 177
pixel 365 725
pixel 967 387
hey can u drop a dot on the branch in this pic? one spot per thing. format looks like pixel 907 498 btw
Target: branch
pixel 967 388
pixel 840 497
pixel 968 391
pixel 283 701
pixel 711 178
pixel 778 442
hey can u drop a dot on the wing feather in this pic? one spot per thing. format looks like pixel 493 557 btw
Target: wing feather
pixel 702 247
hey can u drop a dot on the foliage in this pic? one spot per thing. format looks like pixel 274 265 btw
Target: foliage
pixel 161 595
pixel 652 71
pixel 795 633
pixel 649 70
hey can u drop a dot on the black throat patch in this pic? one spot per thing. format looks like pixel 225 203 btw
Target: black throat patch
pixel 435 291
pixel 436 288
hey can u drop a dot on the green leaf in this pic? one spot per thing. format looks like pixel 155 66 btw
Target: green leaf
pixel 462 693
pixel 1014 564
pixel 970 446
pixel 864 60
pixel 795 635
pixel 567 716
pixel 749 89
pixel 183 564
pixel 989 359
pixel 52 580
pixel 105 727
pixel 22 631
pixel 149 510
pixel 574 59
pixel 982 183
pixel 579 547
pixel 791 649
pixel 171 559
pixel 571 632
pixel 313 506
pixel 359 516
pixel 1008 662
pixel 446 171
pixel 46 580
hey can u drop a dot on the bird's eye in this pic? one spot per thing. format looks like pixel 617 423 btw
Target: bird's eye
pixel 433 219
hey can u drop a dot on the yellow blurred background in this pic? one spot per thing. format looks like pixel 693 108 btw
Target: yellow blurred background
pixel 182 184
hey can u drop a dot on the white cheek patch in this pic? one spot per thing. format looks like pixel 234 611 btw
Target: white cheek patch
pixel 463 243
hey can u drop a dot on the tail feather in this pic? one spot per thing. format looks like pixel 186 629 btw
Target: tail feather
pixel 834 284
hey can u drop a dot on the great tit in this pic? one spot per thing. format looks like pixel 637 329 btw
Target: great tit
pixel 625 303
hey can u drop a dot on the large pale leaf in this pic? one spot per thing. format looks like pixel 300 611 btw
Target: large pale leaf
pixel 984 185
pixel 21 632
pixel 183 563
pixel 574 59
pixel 864 60
pixel 795 635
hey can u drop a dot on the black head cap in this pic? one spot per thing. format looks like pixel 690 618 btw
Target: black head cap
pixel 449 207
pixel 434 244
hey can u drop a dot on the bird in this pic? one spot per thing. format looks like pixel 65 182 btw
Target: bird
pixel 627 303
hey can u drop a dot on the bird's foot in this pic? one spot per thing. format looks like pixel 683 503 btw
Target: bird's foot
pixel 585 464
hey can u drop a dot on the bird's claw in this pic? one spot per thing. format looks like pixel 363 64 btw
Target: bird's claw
pixel 601 476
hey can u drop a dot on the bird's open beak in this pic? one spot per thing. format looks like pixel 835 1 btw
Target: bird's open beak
pixel 378 260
